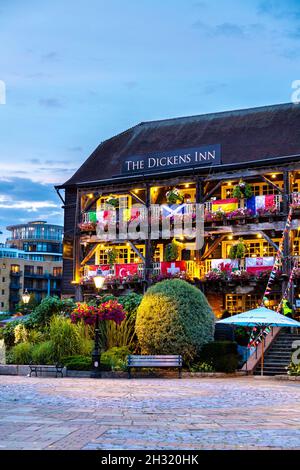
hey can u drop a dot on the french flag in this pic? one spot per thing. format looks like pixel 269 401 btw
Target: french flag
pixel 261 202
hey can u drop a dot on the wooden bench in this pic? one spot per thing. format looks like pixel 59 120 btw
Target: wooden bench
pixel 56 368
pixel 154 361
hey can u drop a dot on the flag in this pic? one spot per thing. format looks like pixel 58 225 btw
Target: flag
pixel 170 210
pixel 226 205
pixel 224 264
pixel 257 265
pixel 91 270
pixel 124 270
pixel 261 202
pixel 172 268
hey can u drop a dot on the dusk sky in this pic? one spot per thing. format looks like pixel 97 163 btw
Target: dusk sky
pixel 79 72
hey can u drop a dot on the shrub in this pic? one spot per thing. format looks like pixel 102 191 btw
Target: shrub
pixel 21 334
pixel 21 354
pixel 174 317
pixel 49 306
pixel 116 358
pixel 202 367
pixel 8 333
pixel 222 355
pixel 67 338
pixel 43 353
pixel 78 362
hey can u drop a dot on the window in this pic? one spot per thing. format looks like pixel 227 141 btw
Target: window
pixel 158 254
pixel 15 268
pixel 258 189
pixel 39 270
pixel 236 303
pixel 124 255
pixel 3 292
pixel 29 269
pixel 57 271
pixel 3 279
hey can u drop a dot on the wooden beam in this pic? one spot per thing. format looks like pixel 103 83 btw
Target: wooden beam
pixel 137 252
pixel 137 198
pixel 211 192
pixel 60 196
pixel 89 255
pixel 212 247
pixel 271 183
pixel 268 239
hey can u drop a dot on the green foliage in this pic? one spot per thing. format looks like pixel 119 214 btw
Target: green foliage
pixel 222 355
pixel 8 333
pixel 294 369
pixel 67 338
pixel 78 362
pixel 174 317
pixel 130 303
pixel 27 308
pixel 21 354
pixel 49 306
pixel 43 353
pixel 171 251
pixel 238 250
pixel 112 255
pixel 120 335
pixel 21 333
pixel 242 190
pixel 116 358
pixel 202 367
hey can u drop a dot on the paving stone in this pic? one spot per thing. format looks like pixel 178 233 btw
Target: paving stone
pixel 202 413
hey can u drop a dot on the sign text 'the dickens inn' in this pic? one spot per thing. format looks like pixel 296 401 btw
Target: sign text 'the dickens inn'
pixel 175 159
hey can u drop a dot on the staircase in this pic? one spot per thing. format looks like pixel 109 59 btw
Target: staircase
pixel 278 356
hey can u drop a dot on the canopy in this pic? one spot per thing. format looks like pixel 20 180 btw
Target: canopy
pixel 260 316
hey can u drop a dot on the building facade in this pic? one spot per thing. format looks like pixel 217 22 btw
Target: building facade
pixel 243 166
pixel 30 260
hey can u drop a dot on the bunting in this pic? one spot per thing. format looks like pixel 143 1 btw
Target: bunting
pixel 254 341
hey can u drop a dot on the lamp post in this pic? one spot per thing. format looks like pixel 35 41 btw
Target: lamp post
pixel 25 299
pixel 96 373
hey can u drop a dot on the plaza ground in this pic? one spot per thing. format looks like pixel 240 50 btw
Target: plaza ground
pixel 204 413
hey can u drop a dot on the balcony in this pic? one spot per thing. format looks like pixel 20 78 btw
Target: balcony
pixel 15 286
pixel 15 273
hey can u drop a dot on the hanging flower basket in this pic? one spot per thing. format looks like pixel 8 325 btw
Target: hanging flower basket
pixel 242 190
pixel 87 226
pixel 112 200
pixel 173 196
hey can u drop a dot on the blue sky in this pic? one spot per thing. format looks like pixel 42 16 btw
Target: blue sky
pixel 78 72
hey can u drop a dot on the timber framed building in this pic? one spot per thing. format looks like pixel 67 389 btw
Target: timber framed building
pixel 205 158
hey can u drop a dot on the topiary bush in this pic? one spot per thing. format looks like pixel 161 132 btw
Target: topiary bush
pixel 174 317
pixel 223 355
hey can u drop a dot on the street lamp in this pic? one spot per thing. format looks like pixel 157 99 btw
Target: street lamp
pixel 26 297
pixel 96 374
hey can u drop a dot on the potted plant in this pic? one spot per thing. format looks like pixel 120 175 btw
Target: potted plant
pixel 111 256
pixel 112 200
pixel 238 250
pixel 242 190
pixel 171 251
pixel 173 196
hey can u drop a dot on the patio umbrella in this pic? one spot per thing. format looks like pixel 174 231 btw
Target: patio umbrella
pixel 261 317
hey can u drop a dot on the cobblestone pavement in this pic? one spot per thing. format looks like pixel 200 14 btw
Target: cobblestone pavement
pixel 233 413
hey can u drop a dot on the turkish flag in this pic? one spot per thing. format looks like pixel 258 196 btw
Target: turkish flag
pixel 172 267
pixel 124 270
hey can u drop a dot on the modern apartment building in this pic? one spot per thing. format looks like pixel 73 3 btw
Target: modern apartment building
pixel 30 260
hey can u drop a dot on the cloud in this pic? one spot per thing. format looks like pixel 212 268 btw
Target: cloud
pixel 49 56
pixel 229 30
pixel 50 103
pixel 22 199
pixel 281 10
pixel 131 84
pixel 75 149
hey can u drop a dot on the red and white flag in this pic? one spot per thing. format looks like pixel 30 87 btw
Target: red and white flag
pixel 226 264
pixel 172 267
pixel 91 271
pixel 124 270
pixel 256 265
